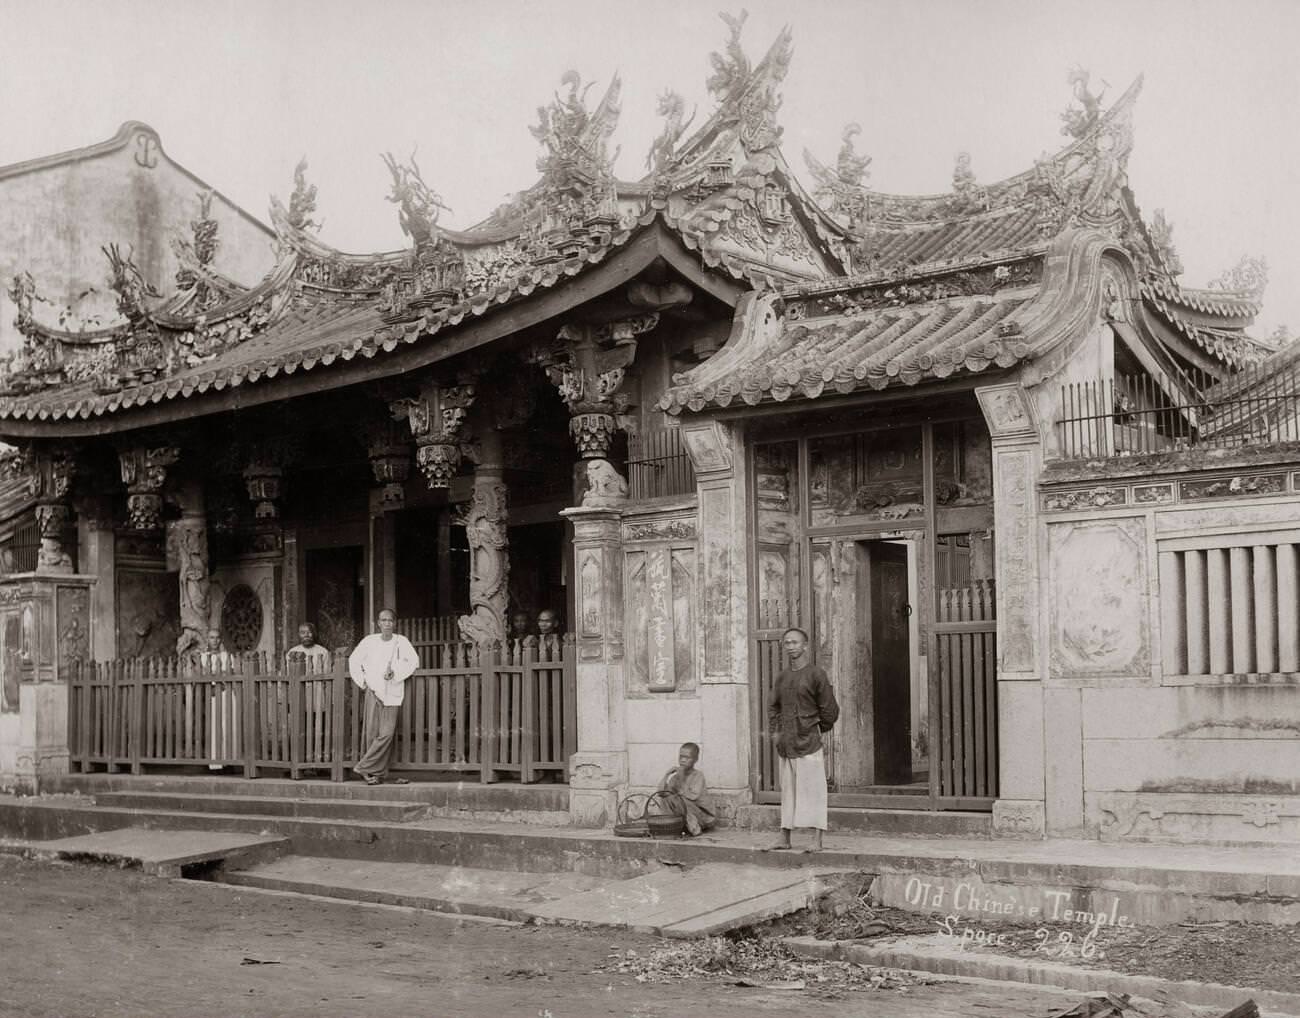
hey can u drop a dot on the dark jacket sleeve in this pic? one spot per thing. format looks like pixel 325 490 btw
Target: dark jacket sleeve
pixel 828 708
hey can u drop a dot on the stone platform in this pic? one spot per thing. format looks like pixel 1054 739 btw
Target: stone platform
pixel 974 876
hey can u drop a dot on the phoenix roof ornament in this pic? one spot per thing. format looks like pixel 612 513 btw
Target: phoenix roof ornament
pixel 1079 120
pixel 418 204
pixel 302 203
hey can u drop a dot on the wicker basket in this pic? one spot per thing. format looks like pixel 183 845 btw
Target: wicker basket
pixel 666 826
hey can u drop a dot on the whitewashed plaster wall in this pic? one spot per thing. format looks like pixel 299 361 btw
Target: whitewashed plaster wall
pixel 57 214
pixel 1134 750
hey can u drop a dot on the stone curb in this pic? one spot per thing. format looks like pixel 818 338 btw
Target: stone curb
pixel 1002 968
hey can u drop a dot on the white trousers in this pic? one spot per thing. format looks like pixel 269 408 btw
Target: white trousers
pixel 803 790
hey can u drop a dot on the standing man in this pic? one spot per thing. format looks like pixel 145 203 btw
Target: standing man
pixel 380 665
pixel 801 708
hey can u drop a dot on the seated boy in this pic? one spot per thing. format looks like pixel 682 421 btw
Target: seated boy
pixel 685 787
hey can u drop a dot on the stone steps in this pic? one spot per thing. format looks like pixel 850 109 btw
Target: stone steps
pixel 393 811
pixel 161 853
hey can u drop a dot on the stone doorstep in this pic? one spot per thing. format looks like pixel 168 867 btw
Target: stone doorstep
pixel 920 954
pixel 162 853
pixel 880 822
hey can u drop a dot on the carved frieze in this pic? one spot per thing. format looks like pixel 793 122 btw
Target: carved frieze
pixel 1238 486
pixel 1152 494
pixel 678 529
pixel 1099 497
pixel 708 446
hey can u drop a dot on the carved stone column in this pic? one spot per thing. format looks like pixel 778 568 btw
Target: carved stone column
pixel 587 367
pixel 187 554
pixel 49 473
pixel 1020 810
pixel 484 519
pixel 599 768
pixel 144 472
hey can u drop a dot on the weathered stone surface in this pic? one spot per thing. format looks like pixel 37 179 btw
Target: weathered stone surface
pixel 647 762
pixel 1100 621
pixel 724 741
pixel 1192 765
pixel 1223 517
pixel 1192 712
pixel 1063 744
pixel 1020 740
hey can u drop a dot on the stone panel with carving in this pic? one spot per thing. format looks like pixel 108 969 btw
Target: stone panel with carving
pixel 1238 486
pixel 73 638
pixel 1017 608
pixel 660 611
pixel 715 515
pixel 1152 494
pixel 1085 498
pixel 1098 597
pixel 1184 817
pixel 148 613
pixel 674 529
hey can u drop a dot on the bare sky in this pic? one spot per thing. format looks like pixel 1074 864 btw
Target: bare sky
pixel 239 90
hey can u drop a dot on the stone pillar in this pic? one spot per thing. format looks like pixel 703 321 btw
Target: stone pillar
pixel 97 555
pixel 1020 810
pixel 187 554
pixel 717 453
pixel 484 519
pixel 598 770
pixel 48 632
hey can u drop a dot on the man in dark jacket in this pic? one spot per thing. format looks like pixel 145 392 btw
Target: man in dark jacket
pixel 801 708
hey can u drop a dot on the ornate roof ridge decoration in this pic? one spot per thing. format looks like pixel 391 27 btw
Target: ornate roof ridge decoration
pixel 302 201
pixel 1248 279
pixel 1079 176
pixel 889 341
pixel 433 274
pixel 1215 302
pixel 363 333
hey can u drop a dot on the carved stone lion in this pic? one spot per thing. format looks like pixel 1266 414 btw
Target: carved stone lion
pixel 605 485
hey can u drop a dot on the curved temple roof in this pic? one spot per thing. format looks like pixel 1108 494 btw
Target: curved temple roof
pixel 890 288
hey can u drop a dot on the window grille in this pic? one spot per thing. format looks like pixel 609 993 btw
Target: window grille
pixel 1229 605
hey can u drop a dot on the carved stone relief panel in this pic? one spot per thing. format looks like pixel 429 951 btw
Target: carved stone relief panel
pixel 660 616
pixel 13 660
pixel 708 446
pixel 1098 596
pixel 716 520
pixel 73 638
pixel 1018 603
pixel 148 613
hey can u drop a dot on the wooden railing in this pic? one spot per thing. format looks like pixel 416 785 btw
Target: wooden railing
pixel 505 711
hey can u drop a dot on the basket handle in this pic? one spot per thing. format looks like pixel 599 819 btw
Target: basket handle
pixel 633 807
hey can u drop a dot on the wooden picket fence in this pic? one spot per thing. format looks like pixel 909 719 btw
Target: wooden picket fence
pixel 506 712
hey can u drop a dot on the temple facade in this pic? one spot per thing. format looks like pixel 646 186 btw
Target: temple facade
pixel 1034 501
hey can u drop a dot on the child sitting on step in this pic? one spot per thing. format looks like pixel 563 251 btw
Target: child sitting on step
pixel 684 789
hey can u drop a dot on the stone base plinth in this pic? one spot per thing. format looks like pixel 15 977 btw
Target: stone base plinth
pixel 596 782
pixel 1019 818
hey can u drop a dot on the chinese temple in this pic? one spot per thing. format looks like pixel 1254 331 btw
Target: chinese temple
pixel 1033 499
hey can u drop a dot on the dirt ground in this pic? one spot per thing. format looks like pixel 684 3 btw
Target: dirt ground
pixel 1249 955
pixel 85 941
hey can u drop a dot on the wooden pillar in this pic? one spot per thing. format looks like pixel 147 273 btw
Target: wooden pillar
pixel 443 603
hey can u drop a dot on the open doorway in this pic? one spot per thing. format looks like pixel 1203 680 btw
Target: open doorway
pixel 867 639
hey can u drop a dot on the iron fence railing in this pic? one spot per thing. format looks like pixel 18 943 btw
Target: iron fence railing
pixel 658 465
pixel 1135 415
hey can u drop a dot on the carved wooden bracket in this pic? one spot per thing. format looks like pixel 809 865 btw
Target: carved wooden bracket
pixel 389 450
pixel 437 419
pixel 587 368
pixel 144 472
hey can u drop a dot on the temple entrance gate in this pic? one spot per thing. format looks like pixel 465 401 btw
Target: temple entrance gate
pixel 878 543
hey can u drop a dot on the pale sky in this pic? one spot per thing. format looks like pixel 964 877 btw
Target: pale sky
pixel 238 90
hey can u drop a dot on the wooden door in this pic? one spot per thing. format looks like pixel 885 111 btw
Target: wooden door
pixel 891 673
